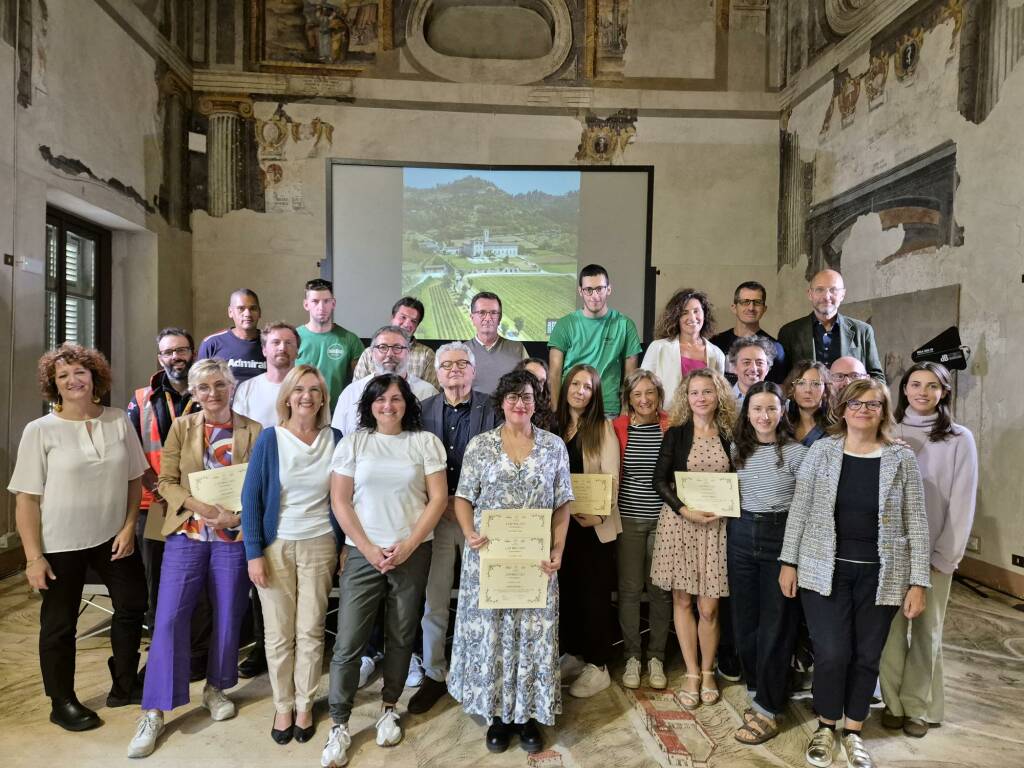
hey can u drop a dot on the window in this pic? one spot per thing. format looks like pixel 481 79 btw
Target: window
pixel 77 282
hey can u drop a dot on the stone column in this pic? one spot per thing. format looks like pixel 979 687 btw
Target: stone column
pixel 223 149
pixel 176 95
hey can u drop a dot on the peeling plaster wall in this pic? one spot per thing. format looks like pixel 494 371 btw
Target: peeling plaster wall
pixel 711 233
pixel 94 102
pixel 917 115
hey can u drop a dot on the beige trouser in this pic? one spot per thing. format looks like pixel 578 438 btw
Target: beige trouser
pixel 911 669
pixel 299 575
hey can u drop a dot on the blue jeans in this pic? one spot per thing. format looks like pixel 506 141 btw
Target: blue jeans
pixel 764 620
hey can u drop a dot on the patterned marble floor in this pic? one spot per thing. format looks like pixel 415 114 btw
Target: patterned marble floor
pixel 984 652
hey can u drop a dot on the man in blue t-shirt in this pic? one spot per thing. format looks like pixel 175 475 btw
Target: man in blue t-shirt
pixel 239 345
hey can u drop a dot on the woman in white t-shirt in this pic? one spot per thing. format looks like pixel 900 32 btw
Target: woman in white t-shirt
pixel 290 544
pixel 79 482
pixel 388 490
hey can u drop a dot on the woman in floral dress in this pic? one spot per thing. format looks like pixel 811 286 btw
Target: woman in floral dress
pixel 505 661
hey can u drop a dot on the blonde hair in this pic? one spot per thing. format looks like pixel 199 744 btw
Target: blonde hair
pixel 725 412
pixel 852 391
pixel 209 366
pixel 291 380
pixel 635 377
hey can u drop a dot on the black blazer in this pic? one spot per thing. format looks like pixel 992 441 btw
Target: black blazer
pixel 675 449
pixel 481 415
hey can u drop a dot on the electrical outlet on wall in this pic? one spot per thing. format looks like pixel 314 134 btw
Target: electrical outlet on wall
pixel 1017 560
pixel 973 544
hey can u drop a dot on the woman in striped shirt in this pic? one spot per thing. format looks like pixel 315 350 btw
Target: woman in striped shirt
pixel 640 429
pixel 766 458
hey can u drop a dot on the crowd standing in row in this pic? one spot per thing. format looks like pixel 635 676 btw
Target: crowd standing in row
pixel 854 515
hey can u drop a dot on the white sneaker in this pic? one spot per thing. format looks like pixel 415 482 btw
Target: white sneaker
pixel 570 666
pixel 220 706
pixel 335 752
pixel 389 729
pixel 591 680
pixel 656 673
pixel 367 666
pixel 149 727
pixel 631 677
pixel 415 677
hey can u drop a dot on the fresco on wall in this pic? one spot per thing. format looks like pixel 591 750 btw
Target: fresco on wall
pixel 312 35
pixel 283 143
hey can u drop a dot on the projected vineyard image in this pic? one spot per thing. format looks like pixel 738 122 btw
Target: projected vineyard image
pixel 514 233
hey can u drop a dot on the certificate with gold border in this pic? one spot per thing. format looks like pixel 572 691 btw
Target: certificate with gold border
pixel 592 494
pixel 714 492
pixel 510 573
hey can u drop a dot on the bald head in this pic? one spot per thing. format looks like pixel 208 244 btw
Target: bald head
pixel 844 370
pixel 826 292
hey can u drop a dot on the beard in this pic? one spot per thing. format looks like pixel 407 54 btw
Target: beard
pixel 177 374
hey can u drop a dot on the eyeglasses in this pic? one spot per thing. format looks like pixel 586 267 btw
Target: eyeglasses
pixel 808 383
pixel 849 376
pixel 395 349
pixel 821 291
pixel 514 397
pixel 319 284
pixel 869 405
pixel 205 389
pixel 594 291
pixel 750 302
pixel 487 313
pixel 449 364
pixel 180 351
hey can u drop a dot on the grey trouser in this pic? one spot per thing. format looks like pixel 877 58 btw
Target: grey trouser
pixel 362 590
pixel 636 543
pixel 448 541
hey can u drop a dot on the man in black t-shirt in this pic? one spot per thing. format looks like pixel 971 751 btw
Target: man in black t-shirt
pixel 749 303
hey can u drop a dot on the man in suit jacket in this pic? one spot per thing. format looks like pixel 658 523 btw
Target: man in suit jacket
pixel 456 415
pixel 825 335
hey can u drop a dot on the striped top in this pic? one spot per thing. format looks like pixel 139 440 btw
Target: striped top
pixel 637 497
pixel 765 487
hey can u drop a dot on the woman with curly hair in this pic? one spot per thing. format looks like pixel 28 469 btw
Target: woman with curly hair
pixel 689 548
pixel 78 480
pixel 809 389
pixel 682 341
pixel 388 490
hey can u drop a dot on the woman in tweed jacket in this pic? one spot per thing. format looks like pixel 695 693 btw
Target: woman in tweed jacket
pixel 857 545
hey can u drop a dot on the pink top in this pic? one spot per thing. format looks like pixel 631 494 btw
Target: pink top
pixel 688 364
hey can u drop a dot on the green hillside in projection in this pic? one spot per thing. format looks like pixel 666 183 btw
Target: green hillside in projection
pixel 470 235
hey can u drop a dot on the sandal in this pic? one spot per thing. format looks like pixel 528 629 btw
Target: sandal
pixel 756 728
pixel 709 695
pixel 689 699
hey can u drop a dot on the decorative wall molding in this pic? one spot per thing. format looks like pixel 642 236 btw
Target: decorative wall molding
pixel 604 140
pixel 845 16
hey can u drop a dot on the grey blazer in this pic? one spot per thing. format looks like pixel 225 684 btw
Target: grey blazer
pixel 856 339
pixel 903 548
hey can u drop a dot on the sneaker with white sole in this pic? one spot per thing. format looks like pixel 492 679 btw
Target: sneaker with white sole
pixel 335 752
pixel 569 667
pixel 415 677
pixel 656 673
pixel 149 727
pixel 631 677
pixel 220 706
pixel 367 667
pixel 592 680
pixel 389 728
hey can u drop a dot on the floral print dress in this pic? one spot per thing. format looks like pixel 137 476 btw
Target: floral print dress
pixel 505 661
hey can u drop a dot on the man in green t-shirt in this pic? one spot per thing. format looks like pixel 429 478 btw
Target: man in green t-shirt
pixel 596 335
pixel 326 345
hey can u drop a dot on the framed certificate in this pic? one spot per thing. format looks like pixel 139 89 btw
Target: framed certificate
pixel 510 573
pixel 593 494
pixel 714 492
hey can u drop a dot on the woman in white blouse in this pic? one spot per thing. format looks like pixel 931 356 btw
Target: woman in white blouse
pixel 79 482
pixel 388 490
pixel 290 544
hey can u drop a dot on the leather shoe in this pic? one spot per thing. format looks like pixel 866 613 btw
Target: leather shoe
pixel 530 737
pixel 282 736
pixel 498 735
pixel 72 715
pixel 302 735
pixel 255 663
pixel 891 721
pixel 427 696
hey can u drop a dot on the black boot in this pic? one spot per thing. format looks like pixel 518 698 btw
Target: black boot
pixel 71 715
pixel 126 687
pixel 530 737
pixel 498 735
pixel 255 663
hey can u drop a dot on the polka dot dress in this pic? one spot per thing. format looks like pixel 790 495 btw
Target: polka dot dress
pixel 691 556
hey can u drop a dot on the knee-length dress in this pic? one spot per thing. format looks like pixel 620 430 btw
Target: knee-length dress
pixel 505 661
pixel 691 556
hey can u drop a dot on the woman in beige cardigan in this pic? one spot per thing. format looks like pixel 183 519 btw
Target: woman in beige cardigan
pixel 587 576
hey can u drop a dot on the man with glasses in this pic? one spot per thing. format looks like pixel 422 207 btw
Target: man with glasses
pixel 390 354
pixel 825 335
pixel 323 343
pixel 407 314
pixel 456 415
pixel 596 335
pixel 495 355
pixel 843 371
pixel 749 303
pixel 239 345
pixel 152 410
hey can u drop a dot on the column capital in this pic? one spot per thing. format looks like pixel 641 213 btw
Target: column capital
pixel 171 84
pixel 215 104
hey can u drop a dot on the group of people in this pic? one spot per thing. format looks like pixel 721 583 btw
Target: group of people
pixel 854 515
